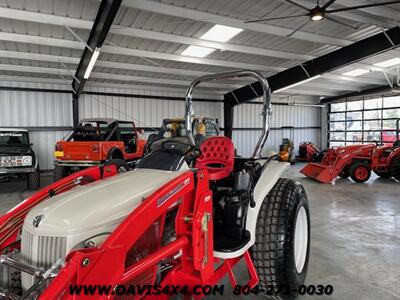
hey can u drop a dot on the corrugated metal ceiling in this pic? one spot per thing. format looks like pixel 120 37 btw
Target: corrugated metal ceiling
pixel 129 17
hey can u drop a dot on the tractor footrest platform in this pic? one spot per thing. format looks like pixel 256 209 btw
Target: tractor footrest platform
pixel 223 243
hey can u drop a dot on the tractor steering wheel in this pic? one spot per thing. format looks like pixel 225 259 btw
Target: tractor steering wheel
pixel 184 148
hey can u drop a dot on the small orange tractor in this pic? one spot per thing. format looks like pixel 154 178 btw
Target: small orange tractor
pixel 356 161
pixel 308 152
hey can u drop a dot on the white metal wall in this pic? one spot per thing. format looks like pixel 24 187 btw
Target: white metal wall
pixel 145 112
pixel 44 109
pixel 249 116
pixel 37 109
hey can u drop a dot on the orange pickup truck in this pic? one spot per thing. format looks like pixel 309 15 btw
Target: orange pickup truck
pixel 97 142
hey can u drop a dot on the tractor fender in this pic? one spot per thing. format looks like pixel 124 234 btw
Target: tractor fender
pixel 270 175
pixel 115 153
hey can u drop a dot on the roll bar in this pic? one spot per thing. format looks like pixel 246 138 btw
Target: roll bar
pixel 266 109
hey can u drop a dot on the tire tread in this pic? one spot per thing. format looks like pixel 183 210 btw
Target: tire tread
pixel 34 180
pixel 272 244
pixel 353 169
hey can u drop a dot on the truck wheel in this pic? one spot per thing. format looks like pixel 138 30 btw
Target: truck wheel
pixel 34 180
pixel 360 172
pixel 282 247
pixel 382 174
pixel 395 168
pixel 59 172
pixel 121 164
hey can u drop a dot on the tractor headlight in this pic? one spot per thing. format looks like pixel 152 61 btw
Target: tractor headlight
pixel 26 160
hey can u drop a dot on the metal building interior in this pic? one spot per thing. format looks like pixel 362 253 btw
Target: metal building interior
pixel 333 75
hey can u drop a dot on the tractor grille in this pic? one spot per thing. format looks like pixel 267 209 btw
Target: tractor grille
pixel 40 251
pixel 10 161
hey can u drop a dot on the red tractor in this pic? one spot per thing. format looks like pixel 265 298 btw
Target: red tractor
pixel 175 225
pixel 308 152
pixel 357 161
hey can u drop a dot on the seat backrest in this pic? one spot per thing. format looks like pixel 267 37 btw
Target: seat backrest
pixel 217 150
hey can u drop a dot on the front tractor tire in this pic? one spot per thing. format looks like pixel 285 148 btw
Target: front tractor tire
pixel 360 172
pixel 282 247
pixel 345 173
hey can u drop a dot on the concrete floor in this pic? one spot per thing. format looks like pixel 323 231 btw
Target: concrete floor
pixel 355 230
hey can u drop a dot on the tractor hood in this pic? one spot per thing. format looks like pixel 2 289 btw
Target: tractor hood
pixel 96 205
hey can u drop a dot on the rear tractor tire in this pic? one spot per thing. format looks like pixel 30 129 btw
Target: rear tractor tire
pixel 122 165
pixel 382 174
pixel 395 168
pixel 282 247
pixel 360 172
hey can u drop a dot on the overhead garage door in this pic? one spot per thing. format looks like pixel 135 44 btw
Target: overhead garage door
pixel 363 121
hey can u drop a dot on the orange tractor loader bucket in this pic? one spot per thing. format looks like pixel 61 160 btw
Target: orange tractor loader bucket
pixel 319 172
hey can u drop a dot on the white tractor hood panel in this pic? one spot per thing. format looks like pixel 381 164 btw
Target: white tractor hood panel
pixel 95 205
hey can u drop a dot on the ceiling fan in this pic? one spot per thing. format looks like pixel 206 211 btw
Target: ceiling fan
pixel 319 13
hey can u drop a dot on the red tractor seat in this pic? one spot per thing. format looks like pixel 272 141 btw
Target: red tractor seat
pixel 217 157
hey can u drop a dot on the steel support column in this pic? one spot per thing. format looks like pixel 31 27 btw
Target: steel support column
pixel 75 110
pixel 101 26
pixel 228 118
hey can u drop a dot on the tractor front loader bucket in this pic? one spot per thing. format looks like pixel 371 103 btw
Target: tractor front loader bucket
pixel 319 172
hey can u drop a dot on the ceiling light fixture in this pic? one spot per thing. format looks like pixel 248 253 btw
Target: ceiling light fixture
pixel 196 51
pixel 388 63
pixel 221 33
pixel 355 72
pixel 296 84
pixel 92 62
pixel 317 14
